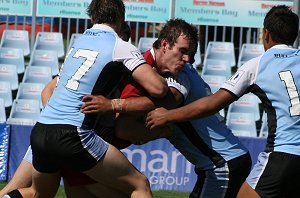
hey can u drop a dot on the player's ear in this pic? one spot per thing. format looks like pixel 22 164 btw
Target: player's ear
pixel 164 45
pixel 266 35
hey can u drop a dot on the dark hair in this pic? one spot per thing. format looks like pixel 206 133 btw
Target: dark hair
pixel 282 24
pixel 173 29
pixel 106 11
pixel 125 32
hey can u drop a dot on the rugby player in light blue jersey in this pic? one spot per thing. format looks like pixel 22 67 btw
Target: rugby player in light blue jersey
pixel 64 137
pixel 275 78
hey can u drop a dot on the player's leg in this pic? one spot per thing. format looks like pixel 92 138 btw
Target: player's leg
pixel 115 171
pixel 43 185
pixel 133 128
pixel 92 190
pixel 21 178
pixel 211 183
pixel 247 191
pixel 239 169
pixel 77 184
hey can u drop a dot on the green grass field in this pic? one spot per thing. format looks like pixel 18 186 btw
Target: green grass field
pixel 156 194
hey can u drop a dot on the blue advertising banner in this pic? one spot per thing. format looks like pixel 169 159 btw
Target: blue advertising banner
pixel 16 7
pixel 136 10
pixel 4 149
pixel 148 10
pixel 65 8
pixel 164 166
pixel 238 13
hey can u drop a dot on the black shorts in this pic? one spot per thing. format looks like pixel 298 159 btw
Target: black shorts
pixel 276 175
pixel 65 146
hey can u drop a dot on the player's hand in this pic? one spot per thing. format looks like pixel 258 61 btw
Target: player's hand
pixel 156 118
pixel 95 104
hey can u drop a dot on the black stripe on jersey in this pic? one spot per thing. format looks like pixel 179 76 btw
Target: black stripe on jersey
pixel 271 115
pixel 109 79
pixel 190 132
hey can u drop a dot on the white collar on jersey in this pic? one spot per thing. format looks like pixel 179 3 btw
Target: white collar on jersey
pixel 103 26
pixel 282 46
pixel 152 53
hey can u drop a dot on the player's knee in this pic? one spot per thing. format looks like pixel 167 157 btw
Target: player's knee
pixel 144 182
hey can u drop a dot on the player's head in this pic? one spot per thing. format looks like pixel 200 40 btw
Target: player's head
pixel 110 12
pixel 282 25
pixel 174 45
pixel 175 28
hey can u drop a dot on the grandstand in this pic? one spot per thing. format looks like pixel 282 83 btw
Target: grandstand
pixel 26 32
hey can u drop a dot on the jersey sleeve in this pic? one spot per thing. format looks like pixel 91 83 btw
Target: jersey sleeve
pixel 128 54
pixel 180 82
pixel 243 78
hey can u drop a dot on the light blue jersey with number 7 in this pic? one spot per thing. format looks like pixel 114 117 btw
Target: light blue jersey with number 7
pixel 80 72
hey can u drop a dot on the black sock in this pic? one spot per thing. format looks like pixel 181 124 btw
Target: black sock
pixel 15 194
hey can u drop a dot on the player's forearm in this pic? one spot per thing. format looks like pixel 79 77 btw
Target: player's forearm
pixel 201 108
pixel 143 104
pixel 134 105
pixel 150 80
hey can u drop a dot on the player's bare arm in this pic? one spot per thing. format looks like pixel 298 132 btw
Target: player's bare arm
pixel 200 108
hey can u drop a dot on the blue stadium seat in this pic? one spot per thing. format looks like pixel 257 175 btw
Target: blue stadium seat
pixel 9 73
pixel 214 81
pixel 24 112
pixel 2 111
pixel 197 57
pixel 248 103
pixel 6 93
pixel 13 56
pixel 73 38
pixel 50 41
pixel 249 51
pixel 37 74
pixel 242 124
pixel 145 43
pixel 220 51
pixel 217 67
pixel 30 91
pixel 44 58
pixel 264 130
pixel 16 39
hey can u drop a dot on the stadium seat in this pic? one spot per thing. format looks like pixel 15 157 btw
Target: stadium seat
pixel 214 81
pixel 197 57
pixel 6 93
pixel 242 124
pixel 145 43
pixel 37 74
pixel 249 51
pixel 220 51
pixel 264 130
pixel 248 103
pixel 16 39
pixel 73 38
pixel 50 41
pixel 30 91
pixel 24 112
pixel 44 58
pixel 13 56
pixel 217 67
pixel 2 111
pixel 9 73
